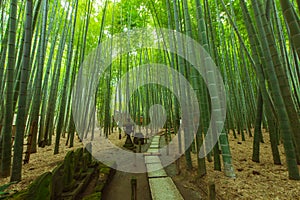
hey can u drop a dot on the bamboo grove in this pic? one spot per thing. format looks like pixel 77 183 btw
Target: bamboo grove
pixel 255 44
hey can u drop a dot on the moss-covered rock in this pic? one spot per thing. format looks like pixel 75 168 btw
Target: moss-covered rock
pixel 62 182
pixel 57 181
pixel 38 189
pixel 93 196
pixel 88 150
pixel 105 170
pixel 69 170
pixel 99 187
pixel 78 161
pixel 85 162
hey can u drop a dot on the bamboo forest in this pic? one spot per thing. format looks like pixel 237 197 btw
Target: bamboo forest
pixel 149 99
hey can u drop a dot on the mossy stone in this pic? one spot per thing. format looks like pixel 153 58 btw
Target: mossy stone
pixel 78 161
pixel 105 170
pixel 69 170
pixel 38 189
pixel 57 181
pixel 93 196
pixel 99 187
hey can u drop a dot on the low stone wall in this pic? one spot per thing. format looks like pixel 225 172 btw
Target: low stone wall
pixel 104 177
pixel 69 179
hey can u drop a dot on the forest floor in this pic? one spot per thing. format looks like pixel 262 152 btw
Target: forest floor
pixel 42 161
pixel 262 180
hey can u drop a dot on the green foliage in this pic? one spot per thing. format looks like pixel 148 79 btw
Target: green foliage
pixel 4 187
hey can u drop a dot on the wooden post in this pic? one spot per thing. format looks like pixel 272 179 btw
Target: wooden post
pixel 211 191
pixel 140 146
pixel 133 188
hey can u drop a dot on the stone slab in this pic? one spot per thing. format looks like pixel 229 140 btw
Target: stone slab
pixel 153 150
pixel 154 143
pixel 164 188
pixel 154 147
pixel 156 139
pixel 155 170
pixel 152 159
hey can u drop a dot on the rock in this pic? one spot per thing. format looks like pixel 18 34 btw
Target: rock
pixel 40 188
pixel 78 162
pixel 93 196
pixel 57 181
pixel 69 169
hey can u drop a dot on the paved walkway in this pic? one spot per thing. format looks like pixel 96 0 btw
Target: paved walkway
pixel 162 187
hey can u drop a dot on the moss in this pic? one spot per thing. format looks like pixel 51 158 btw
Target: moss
pixel 39 189
pixel 99 187
pixel 22 195
pixel 88 151
pixel 101 165
pixel 69 168
pixel 57 181
pixel 78 162
pixel 93 196
pixel 105 170
pixel 85 163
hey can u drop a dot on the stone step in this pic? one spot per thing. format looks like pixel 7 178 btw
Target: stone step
pixel 164 188
pixel 152 159
pixel 154 147
pixel 155 143
pixel 152 150
pixel 155 140
pixel 155 170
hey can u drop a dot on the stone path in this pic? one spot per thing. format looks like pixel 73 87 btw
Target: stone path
pixel 161 186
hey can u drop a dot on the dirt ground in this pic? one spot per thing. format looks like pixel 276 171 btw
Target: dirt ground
pixel 262 180
pixel 120 187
